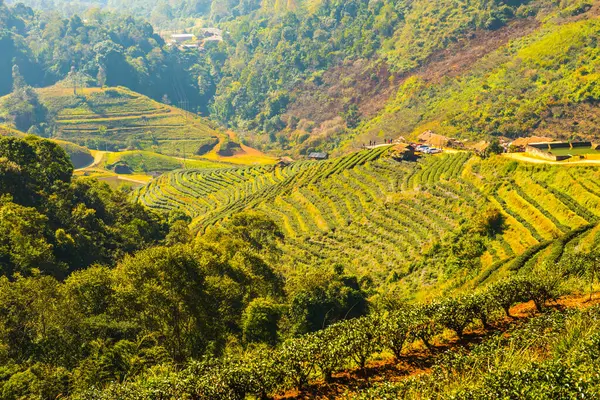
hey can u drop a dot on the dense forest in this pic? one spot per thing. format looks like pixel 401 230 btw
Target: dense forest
pixel 117 49
pixel 160 14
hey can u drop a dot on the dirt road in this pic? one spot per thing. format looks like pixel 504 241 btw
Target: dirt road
pixel 525 158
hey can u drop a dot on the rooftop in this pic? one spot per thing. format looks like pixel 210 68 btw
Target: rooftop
pixel 524 141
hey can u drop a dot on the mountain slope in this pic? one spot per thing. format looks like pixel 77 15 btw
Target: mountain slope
pixel 116 118
pixel 79 155
pixel 387 219
pixel 541 84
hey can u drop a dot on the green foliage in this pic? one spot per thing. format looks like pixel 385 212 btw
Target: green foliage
pixel 455 314
pixel 127 49
pixel 395 330
pixel 116 118
pixel 361 337
pixel 260 321
pixel 56 225
pixel 323 299
pixel 351 116
pixel 534 84
pixel 22 109
pixel 509 292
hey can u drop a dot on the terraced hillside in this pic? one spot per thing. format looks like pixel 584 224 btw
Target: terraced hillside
pixel 377 215
pixel 116 118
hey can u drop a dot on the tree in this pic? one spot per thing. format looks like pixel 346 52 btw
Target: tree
pixel 23 109
pixel 351 115
pixel 23 243
pixel 330 351
pixel 361 337
pixel 543 286
pixel 508 292
pixel 320 299
pixel 482 305
pixel 494 148
pixel 395 329
pixel 260 321
pixel 583 263
pixel 179 233
pixel 455 314
pixel 73 79
pixel 298 361
pixel 101 77
pixel 164 289
pixel 18 81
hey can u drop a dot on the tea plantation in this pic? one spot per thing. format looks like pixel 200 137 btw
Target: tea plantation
pixel 117 118
pixel 382 217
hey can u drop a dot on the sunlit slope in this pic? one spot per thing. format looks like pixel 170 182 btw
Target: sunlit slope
pixel 120 118
pixel 540 84
pixel 377 215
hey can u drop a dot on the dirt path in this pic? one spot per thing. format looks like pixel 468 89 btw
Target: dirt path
pixel 124 178
pixel 418 361
pixel 525 158
pixel 98 156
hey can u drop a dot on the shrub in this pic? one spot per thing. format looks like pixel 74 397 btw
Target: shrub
pixel 297 358
pixel 260 321
pixel 508 292
pixel 454 314
pixel 330 353
pixel 395 330
pixel 482 305
pixel 542 288
pixel 423 325
pixel 361 337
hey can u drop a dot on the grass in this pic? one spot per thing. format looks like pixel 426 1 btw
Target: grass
pixel 147 161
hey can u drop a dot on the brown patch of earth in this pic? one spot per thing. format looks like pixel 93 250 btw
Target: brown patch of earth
pixel 371 84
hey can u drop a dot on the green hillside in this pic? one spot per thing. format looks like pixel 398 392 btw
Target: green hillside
pixel 541 84
pixel 80 156
pixel 146 161
pixel 8 131
pixel 401 67
pixel 117 118
pixel 388 219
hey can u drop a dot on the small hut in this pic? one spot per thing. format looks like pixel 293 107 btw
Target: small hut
pixel 315 155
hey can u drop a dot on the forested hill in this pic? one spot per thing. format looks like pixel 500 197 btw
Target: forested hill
pixel 114 49
pixel 399 68
pixel 174 13
pixel 297 76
